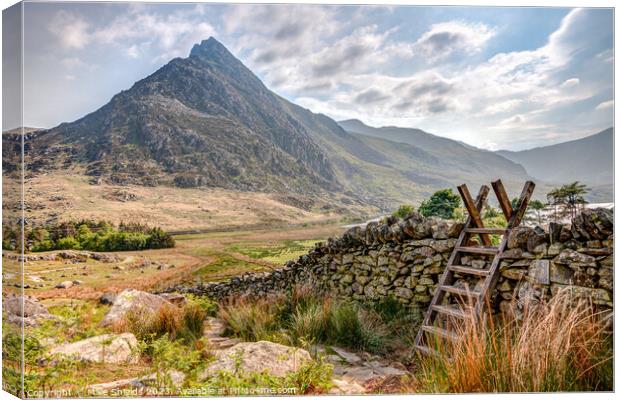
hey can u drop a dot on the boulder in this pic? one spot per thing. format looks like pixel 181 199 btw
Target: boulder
pixel 103 257
pixel 559 273
pixel 133 300
pixel 347 356
pixel 108 348
pixel 31 306
pixel 440 229
pixel 537 238
pixel 272 358
pixel 107 298
pixel 64 285
pixel 214 327
pixel 175 298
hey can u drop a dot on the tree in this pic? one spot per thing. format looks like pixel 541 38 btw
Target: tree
pixel 570 196
pixel 403 211
pixel 441 204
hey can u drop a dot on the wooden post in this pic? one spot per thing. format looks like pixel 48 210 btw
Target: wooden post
pixel 473 213
pixel 502 198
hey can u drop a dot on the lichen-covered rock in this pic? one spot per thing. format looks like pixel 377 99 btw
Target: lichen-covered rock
pixel 131 300
pixel 574 259
pixel 256 357
pixel 519 237
pixel 23 306
pixel 539 272
pixel 108 348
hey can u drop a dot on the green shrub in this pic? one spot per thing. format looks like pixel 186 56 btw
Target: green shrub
pixel 94 236
pixel 404 211
pixel 208 306
pixel 67 243
pixel 167 355
pixel 441 204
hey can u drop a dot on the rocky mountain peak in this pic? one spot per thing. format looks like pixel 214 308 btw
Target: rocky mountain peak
pixel 212 50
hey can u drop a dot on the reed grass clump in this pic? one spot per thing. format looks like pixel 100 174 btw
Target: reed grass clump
pixel 562 344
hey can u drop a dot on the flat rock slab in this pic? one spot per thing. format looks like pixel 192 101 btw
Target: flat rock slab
pixel 133 300
pixel 108 348
pixel 347 356
pixel 370 372
pixel 273 358
pixel 221 343
pixel 23 306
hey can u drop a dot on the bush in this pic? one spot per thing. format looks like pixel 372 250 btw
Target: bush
pixel 185 324
pixel 67 243
pixel 560 345
pixel 94 236
pixel 404 211
pixel 167 355
pixel 208 306
pixel 441 204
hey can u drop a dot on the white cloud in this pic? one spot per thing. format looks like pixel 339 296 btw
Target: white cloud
pixel 570 83
pixel 172 34
pixel 605 105
pixel 446 38
pixel 132 51
pixel 71 30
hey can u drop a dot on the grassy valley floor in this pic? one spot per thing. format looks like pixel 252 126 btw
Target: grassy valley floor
pixel 199 257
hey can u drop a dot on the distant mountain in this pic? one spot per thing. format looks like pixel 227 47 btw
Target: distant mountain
pixel 208 121
pixel 437 159
pixel 588 160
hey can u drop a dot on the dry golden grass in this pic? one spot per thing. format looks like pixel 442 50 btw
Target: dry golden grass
pixel 67 195
pixel 184 322
pixel 559 345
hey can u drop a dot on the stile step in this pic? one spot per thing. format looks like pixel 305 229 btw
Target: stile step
pixel 491 231
pixel 451 311
pixel 469 270
pixel 478 250
pixel 427 351
pixel 440 332
pixel 461 292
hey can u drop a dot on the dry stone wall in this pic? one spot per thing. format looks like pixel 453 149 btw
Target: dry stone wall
pixel 405 258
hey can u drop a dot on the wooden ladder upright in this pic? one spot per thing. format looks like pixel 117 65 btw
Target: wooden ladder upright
pixel 473 226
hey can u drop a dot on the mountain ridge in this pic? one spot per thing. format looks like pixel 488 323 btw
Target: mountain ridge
pixel 588 159
pixel 207 121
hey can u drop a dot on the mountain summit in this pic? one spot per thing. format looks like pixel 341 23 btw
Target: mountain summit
pixel 205 120
pixel 208 121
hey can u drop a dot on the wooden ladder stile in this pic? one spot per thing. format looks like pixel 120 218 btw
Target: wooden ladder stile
pixel 473 226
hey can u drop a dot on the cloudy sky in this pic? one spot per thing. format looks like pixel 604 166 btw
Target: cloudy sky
pixel 495 78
